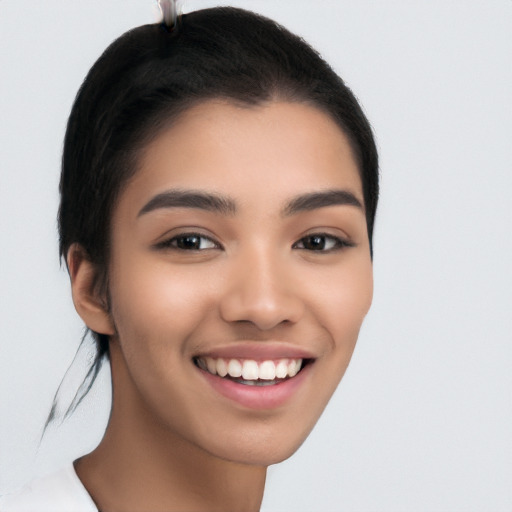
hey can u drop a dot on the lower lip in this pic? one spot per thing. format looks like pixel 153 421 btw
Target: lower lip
pixel 257 397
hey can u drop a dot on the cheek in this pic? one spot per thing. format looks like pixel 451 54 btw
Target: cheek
pixel 340 308
pixel 342 302
pixel 156 308
pixel 154 301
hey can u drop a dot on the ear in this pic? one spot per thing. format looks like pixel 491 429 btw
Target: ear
pixel 87 297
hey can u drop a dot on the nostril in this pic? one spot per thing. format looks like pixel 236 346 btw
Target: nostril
pixel 264 315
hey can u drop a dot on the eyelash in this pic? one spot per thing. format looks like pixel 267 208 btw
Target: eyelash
pixel 173 243
pixel 319 239
pixel 337 243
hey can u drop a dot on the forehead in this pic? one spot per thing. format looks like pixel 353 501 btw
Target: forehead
pixel 268 152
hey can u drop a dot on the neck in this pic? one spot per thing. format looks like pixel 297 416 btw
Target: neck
pixel 142 465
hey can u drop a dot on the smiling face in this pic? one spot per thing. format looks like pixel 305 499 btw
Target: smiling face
pixel 239 246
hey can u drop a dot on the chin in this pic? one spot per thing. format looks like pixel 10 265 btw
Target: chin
pixel 259 446
pixel 260 457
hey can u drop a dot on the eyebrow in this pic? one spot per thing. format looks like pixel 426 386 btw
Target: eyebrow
pixel 226 206
pixel 190 199
pixel 316 200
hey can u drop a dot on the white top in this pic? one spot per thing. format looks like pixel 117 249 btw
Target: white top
pixel 59 492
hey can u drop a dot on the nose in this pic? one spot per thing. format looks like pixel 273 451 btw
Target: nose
pixel 262 292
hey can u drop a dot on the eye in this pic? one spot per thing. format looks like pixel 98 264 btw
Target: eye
pixel 189 242
pixel 321 242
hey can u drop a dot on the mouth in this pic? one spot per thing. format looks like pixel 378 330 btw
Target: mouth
pixel 250 372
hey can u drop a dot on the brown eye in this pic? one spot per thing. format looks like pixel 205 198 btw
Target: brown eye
pixel 321 243
pixel 189 242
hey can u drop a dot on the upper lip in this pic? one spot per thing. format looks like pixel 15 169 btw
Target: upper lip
pixel 257 350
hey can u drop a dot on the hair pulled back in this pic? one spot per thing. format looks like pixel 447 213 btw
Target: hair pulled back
pixel 148 76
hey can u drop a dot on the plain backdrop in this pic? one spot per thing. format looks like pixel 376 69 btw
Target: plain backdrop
pixel 423 418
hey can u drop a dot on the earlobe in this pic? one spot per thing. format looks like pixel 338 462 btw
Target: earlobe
pixel 89 301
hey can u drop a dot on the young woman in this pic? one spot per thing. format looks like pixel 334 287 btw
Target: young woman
pixel 218 193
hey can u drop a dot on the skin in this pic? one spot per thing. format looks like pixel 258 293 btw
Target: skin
pixel 173 442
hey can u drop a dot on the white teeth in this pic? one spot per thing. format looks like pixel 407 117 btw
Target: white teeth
pixel 267 370
pixel 282 369
pixel 234 368
pixel 250 370
pixel 211 365
pixel 293 367
pixel 221 368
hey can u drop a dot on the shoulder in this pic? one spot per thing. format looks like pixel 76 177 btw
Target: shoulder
pixel 58 492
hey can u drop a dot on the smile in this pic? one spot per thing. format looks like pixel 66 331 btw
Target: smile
pixel 250 372
pixel 257 376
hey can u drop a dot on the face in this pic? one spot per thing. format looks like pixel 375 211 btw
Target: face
pixel 240 274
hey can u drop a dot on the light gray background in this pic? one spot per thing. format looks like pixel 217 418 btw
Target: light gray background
pixel 423 418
